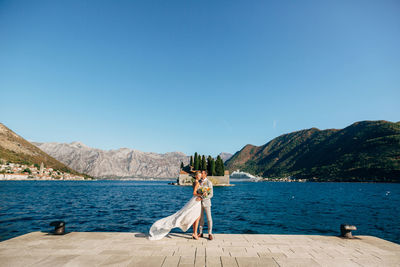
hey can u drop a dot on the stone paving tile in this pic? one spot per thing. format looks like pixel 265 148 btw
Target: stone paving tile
pixel 200 251
pixel 213 261
pixel 333 253
pixel 145 261
pixel 12 251
pixel 271 255
pixel 55 260
pixel 228 261
pixel 138 252
pixel 200 261
pixel 303 262
pixel 212 245
pixel 133 249
pixel 337 262
pixel 304 255
pixel 391 261
pixel 13 261
pixel 187 251
pixel 249 262
pixel 235 249
pixel 171 261
pixel 251 252
pixel 81 260
pixel 117 260
pixel 243 252
pixel 114 252
pixel 268 262
pixel 210 252
pixel 320 255
pixel 388 261
pixel 186 261
pixel 240 244
pixel 274 249
pixel 161 252
pixel 259 247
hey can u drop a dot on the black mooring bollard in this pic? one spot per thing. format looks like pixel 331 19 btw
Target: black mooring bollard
pixel 345 230
pixel 59 227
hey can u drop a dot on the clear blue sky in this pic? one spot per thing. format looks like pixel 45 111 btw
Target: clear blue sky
pixel 206 76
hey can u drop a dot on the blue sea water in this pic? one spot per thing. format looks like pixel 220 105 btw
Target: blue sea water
pixel 256 208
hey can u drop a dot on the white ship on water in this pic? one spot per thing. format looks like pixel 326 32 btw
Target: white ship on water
pixel 244 176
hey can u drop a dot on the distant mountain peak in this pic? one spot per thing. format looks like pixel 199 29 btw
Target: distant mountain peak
pixel 78 144
pixel 225 156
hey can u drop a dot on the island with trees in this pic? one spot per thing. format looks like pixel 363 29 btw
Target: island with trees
pixel 214 167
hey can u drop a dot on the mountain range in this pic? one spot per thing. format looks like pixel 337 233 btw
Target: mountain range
pixel 118 163
pixel 363 151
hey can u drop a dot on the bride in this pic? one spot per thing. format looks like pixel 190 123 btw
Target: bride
pixel 184 218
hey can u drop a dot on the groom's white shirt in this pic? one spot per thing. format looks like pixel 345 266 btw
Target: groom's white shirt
pixel 206 202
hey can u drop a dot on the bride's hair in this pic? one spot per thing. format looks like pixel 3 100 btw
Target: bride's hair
pixel 196 173
pixel 194 180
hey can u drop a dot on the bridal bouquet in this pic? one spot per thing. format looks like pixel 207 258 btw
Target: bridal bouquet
pixel 204 189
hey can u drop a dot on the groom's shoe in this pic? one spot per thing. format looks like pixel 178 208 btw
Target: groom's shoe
pixel 210 237
pixel 195 237
pixel 201 235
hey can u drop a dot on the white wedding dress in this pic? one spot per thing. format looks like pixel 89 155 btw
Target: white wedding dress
pixel 183 218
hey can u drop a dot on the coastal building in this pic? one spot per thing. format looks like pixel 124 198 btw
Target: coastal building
pixel 41 169
pixel 16 171
pixel 13 176
pixel 186 178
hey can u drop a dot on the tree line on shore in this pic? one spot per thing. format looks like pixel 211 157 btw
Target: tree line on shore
pixel 214 167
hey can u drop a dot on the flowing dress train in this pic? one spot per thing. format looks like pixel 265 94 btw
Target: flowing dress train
pixel 183 218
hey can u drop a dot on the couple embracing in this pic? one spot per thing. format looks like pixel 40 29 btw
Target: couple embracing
pixel 192 214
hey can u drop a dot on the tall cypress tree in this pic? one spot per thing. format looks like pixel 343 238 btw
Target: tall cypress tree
pixel 203 163
pixel 212 168
pixel 191 161
pixel 219 167
pixel 209 158
pixel 182 166
pixel 199 161
pixel 196 161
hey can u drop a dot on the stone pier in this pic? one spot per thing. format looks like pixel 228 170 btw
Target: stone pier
pixel 133 249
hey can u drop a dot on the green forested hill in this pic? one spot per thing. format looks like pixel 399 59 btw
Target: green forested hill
pixel 363 151
pixel 14 148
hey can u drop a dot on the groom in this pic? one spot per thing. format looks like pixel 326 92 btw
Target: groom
pixel 206 205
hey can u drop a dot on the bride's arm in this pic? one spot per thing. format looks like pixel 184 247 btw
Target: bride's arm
pixel 195 187
pixel 211 191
